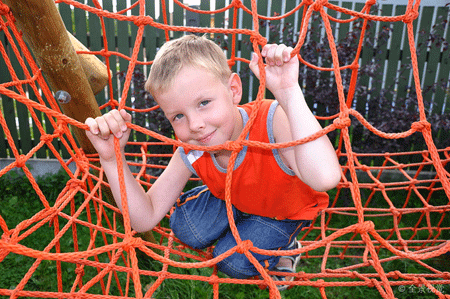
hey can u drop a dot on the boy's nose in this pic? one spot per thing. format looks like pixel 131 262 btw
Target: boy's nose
pixel 196 124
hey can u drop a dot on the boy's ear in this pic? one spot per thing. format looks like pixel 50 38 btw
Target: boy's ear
pixel 235 85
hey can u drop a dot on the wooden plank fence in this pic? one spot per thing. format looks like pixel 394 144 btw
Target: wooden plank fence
pixel 86 27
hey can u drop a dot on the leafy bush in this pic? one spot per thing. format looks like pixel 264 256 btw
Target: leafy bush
pixel 319 87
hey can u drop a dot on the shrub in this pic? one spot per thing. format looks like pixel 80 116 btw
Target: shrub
pixel 319 87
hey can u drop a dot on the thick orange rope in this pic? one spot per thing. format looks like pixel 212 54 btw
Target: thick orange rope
pixel 359 239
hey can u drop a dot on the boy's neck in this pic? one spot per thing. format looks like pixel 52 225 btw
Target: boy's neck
pixel 223 156
pixel 238 124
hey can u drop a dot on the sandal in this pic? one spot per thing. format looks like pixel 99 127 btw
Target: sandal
pixel 295 260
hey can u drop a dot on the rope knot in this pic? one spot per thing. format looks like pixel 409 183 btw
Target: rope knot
pixel 365 168
pixel 395 274
pixel 308 2
pixel 354 65
pixel 213 279
pixel 258 38
pixel 82 161
pixel 79 271
pixel 237 4
pixel 341 123
pixel 4 9
pixel 365 227
pixel 319 4
pixel 143 20
pixel 20 161
pixel 46 138
pixel 420 126
pixel 380 185
pixel 233 146
pixel 75 183
pixel 130 242
pixel 244 246
pixel 410 16
pixel 395 212
pixel 231 63
pixel 60 127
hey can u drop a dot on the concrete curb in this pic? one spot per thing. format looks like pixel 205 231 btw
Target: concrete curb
pixel 40 167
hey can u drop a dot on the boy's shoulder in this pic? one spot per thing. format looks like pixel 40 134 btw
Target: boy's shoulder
pixel 249 107
pixel 262 126
pixel 265 112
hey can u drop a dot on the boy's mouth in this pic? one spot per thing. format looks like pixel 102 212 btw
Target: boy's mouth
pixel 206 138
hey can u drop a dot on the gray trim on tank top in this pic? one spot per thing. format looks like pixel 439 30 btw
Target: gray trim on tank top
pixel 275 152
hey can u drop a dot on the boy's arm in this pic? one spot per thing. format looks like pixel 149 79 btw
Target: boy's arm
pixel 315 162
pixel 145 209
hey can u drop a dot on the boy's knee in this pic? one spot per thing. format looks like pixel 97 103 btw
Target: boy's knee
pixel 237 266
pixel 182 229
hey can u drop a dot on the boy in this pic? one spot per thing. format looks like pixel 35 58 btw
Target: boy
pixel 275 193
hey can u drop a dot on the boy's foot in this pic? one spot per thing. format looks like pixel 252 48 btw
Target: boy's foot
pixel 287 264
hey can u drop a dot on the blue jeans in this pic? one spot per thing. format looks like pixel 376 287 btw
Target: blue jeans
pixel 200 219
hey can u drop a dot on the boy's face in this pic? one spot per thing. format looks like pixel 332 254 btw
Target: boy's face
pixel 201 108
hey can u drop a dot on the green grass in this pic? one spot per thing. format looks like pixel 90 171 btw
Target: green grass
pixel 18 202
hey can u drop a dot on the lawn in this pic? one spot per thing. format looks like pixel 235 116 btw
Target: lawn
pixel 19 202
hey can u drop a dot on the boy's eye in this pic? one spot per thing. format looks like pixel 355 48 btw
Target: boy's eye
pixel 204 103
pixel 178 116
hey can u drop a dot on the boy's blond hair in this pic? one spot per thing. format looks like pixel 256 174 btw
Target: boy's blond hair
pixel 189 50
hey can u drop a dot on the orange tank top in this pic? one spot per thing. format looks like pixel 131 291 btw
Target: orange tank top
pixel 261 184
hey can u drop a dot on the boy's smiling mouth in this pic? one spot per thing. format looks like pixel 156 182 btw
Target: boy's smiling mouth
pixel 206 138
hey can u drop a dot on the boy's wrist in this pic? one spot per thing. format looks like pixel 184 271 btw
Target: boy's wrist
pixel 286 95
pixel 112 160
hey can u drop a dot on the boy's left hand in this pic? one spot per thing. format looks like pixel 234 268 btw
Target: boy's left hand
pixel 281 69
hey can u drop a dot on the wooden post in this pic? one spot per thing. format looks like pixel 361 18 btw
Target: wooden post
pixel 47 38
pixel 95 70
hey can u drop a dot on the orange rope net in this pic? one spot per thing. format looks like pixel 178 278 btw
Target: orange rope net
pixel 355 241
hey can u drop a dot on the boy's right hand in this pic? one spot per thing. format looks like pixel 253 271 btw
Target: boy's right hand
pixel 102 129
